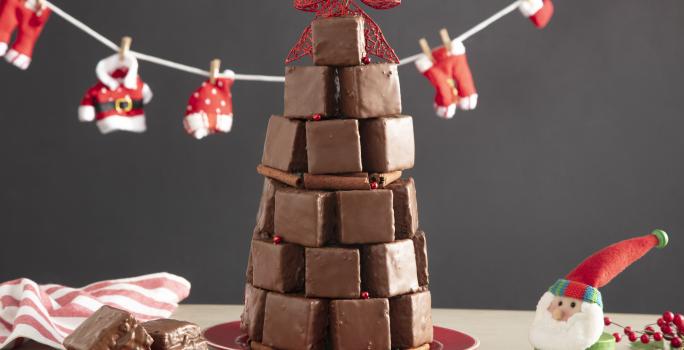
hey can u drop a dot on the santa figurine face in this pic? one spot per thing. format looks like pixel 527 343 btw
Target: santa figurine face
pixel 564 323
pixel 562 308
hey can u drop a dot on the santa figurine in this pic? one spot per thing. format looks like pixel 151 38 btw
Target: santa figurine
pixel 569 315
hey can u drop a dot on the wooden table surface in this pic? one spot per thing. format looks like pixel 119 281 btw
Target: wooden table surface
pixel 494 328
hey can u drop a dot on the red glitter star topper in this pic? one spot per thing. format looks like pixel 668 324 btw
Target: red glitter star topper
pixel 376 44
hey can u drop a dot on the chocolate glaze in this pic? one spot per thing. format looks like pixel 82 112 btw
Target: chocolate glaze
pixel 387 144
pixel 370 91
pixel 258 346
pixel 252 318
pixel 389 269
pixel 411 319
pixel 249 272
pixel 295 323
pixel 278 267
pixel 333 273
pixel 305 217
pixel 420 244
pixel 310 90
pixel 365 217
pixel 109 329
pixel 171 334
pixel 285 145
pixel 265 215
pixel 333 146
pixel 405 208
pixel 338 41
pixel 360 324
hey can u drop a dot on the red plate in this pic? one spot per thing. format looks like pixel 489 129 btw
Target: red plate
pixel 227 336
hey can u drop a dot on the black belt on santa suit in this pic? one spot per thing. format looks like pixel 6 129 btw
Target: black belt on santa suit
pixel 121 105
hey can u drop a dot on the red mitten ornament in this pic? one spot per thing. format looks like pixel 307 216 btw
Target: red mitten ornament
pixel 117 101
pixel 450 74
pixel 210 109
pixel 538 11
pixel 28 18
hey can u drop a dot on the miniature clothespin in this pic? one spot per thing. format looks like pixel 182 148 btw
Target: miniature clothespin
pixel 40 6
pixel 125 47
pixel 214 68
pixel 426 49
pixel 446 40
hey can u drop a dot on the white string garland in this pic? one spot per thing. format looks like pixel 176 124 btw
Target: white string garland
pixel 251 77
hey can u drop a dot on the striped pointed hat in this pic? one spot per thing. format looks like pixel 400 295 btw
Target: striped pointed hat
pixel 599 269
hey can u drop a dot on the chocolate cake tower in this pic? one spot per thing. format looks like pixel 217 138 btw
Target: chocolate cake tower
pixel 337 258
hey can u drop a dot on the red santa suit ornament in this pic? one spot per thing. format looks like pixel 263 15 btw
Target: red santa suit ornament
pixel 28 18
pixel 210 108
pixel 538 11
pixel 448 71
pixel 569 315
pixel 117 101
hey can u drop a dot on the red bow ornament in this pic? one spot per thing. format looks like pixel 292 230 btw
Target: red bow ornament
pixel 376 44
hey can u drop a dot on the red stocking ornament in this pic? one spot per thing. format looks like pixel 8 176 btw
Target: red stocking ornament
pixel 450 75
pixel 28 19
pixel 376 44
pixel 210 109
pixel 538 11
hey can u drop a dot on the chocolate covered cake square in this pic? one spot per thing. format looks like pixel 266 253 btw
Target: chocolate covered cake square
pixel 285 145
pixel 109 329
pixel 360 324
pixel 305 217
pixel 295 323
pixel 338 41
pixel 411 320
pixel 252 319
pixel 389 269
pixel 365 216
pixel 278 267
pixel 420 245
pixel 310 90
pixel 333 146
pixel 264 228
pixel 370 91
pixel 168 334
pixel 333 273
pixel 405 208
pixel 387 144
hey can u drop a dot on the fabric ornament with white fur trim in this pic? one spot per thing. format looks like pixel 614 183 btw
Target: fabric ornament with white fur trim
pixel 569 315
pixel 117 101
pixel 28 20
pixel 538 11
pixel 210 109
pixel 450 74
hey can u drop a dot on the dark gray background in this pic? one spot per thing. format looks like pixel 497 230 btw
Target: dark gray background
pixel 576 144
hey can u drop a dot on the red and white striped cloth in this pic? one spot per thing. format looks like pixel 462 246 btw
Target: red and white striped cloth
pixel 48 313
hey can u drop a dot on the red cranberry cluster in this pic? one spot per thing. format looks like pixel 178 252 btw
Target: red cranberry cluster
pixel 671 329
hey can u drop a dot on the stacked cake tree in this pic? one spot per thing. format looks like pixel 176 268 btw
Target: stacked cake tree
pixel 337 258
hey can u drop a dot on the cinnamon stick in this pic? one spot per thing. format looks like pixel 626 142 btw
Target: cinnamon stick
pixel 294 180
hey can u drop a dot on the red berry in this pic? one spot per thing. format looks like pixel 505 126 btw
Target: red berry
pixel 374 185
pixel 366 60
pixel 617 337
pixel 678 321
pixel 661 322
pixel 316 117
pixel 628 330
pixel 666 329
pixel 657 336
pixel 668 316
pixel 676 342
pixel 277 240
pixel 645 339
pixel 365 295
pixel 632 337
pixel 607 321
